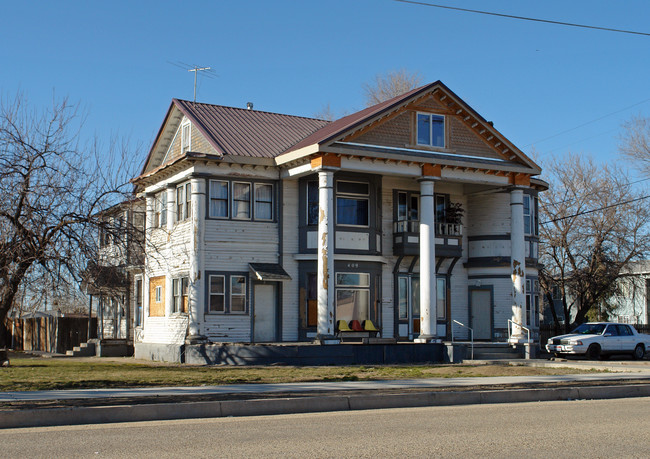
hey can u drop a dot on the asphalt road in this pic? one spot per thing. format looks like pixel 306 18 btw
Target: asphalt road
pixel 602 428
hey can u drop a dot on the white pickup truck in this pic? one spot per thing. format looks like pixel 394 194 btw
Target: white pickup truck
pixel 600 339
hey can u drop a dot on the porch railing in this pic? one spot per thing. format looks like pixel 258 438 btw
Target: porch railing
pixel 471 335
pixel 442 229
pixel 512 324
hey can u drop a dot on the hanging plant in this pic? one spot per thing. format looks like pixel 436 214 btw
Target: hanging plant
pixel 454 213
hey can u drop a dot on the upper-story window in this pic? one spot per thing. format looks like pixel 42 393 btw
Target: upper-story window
pixel 531 226
pixel 352 203
pixel 312 202
pixel 242 200
pixel 160 209
pixel 183 202
pixel 186 137
pixel 430 130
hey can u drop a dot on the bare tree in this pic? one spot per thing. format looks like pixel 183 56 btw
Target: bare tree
pixel 635 142
pixel 592 224
pixel 392 84
pixel 53 190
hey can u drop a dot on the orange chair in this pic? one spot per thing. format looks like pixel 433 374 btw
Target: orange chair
pixel 355 325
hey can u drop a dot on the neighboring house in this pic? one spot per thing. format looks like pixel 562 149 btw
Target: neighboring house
pixel 630 306
pixel 114 281
pixel 414 214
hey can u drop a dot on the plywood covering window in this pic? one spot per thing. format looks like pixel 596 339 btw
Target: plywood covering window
pixel 157 296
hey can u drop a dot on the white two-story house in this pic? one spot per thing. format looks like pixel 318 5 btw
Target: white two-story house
pixel 415 214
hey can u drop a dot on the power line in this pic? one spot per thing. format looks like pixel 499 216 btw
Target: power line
pixel 510 16
pixel 581 196
pixel 579 214
pixel 587 123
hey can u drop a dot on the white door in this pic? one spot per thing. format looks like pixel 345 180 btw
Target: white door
pixel 265 321
pixel 481 310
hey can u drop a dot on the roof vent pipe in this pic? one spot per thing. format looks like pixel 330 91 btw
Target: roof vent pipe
pixel 249 105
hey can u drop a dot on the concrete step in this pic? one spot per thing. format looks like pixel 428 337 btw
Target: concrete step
pixel 83 350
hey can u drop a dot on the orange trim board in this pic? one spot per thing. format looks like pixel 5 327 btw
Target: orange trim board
pixel 325 160
pixel 520 179
pixel 431 170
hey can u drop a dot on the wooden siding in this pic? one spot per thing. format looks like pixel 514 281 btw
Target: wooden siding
pixel 393 133
pixel 467 142
pixel 488 214
pixel 166 330
pixel 290 246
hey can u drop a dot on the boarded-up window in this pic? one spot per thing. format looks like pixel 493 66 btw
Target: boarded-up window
pixel 157 296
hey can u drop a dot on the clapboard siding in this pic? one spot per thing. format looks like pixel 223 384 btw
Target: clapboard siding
pixel 165 330
pixel 290 247
pixel 488 215
pixel 227 327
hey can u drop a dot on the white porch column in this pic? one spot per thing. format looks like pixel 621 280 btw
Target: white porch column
pixel 171 207
pixel 326 238
pixel 517 263
pixel 428 315
pixel 196 294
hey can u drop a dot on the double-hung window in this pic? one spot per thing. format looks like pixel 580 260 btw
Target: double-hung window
pixel 430 130
pixel 241 200
pixel 312 202
pixel 227 293
pixel 263 201
pixel 160 210
pixel 352 203
pixel 530 215
pixel 219 199
pixel 180 288
pixel 408 212
pixel 186 137
pixel 183 202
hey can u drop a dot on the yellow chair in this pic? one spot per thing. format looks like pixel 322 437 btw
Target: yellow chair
pixel 369 326
pixel 342 325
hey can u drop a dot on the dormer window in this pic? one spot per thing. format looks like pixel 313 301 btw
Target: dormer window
pixel 186 138
pixel 430 130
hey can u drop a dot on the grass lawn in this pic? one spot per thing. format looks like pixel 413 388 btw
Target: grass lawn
pixel 43 373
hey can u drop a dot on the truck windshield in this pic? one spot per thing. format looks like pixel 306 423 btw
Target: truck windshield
pixel 590 329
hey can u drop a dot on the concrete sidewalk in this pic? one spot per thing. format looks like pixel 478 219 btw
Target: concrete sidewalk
pixel 632 379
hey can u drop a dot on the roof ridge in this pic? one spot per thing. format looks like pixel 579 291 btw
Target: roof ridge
pixel 252 110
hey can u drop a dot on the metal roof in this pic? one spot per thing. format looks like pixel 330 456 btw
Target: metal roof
pixel 243 132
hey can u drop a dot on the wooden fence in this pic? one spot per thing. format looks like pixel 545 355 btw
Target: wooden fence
pixel 49 334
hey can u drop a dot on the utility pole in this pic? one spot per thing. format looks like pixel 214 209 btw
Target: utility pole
pixel 196 70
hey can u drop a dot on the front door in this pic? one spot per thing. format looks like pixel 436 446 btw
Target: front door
pixel 481 313
pixel 265 320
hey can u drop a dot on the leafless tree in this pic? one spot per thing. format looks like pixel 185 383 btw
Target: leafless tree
pixel 635 142
pixel 53 191
pixel 593 222
pixel 392 84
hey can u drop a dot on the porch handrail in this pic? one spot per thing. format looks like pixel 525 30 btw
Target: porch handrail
pixel 471 335
pixel 511 324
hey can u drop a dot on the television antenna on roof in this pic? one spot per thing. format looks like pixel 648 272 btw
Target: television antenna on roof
pixel 196 69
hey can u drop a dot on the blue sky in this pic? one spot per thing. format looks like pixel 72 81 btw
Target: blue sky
pixel 533 80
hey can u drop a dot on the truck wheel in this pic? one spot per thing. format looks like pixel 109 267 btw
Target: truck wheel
pixel 639 352
pixel 593 352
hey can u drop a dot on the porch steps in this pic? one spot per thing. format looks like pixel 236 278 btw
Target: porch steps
pixel 495 351
pixel 83 350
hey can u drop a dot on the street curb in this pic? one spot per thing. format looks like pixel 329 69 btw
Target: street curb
pixel 233 408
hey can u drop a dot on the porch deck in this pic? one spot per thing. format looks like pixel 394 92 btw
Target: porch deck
pixel 309 354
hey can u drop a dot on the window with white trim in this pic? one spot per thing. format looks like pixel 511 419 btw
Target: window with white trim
pixel 532 302
pixel 183 202
pixel 160 209
pixel 430 130
pixel 219 199
pixel 158 294
pixel 227 293
pixel 531 226
pixel 241 200
pixel 217 293
pixel 180 288
pixel 186 137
